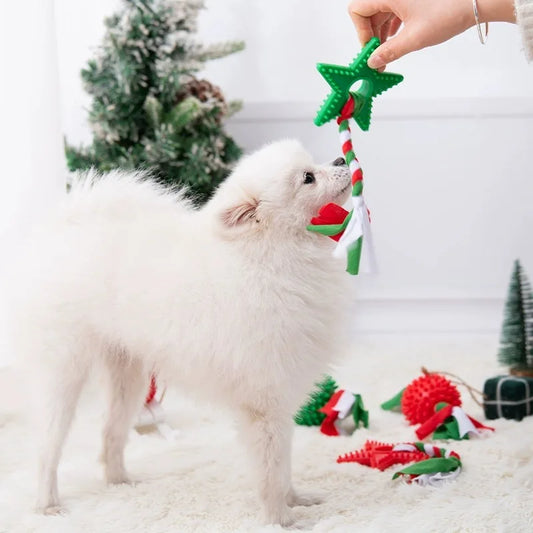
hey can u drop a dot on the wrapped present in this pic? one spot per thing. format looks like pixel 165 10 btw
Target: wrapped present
pixel 508 397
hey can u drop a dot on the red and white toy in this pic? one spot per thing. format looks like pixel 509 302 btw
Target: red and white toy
pixel 153 414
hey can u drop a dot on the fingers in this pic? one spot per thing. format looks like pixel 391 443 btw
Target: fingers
pixel 390 28
pixel 392 49
pixel 363 26
pixel 375 19
pixel 367 18
pixel 394 26
pixel 383 33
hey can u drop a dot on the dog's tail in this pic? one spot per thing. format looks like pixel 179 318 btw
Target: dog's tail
pixel 122 191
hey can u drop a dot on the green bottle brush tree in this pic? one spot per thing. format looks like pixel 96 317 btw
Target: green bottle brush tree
pixel 516 341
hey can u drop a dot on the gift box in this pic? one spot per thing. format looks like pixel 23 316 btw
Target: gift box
pixel 508 397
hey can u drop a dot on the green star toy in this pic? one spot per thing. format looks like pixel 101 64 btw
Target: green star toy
pixel 341 79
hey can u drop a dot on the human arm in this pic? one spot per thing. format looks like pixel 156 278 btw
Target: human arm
pixel 425 22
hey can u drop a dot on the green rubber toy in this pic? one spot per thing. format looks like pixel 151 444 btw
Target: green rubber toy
pixel 341 79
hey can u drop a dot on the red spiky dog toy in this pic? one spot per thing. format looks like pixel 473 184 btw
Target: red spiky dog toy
pixel 434 402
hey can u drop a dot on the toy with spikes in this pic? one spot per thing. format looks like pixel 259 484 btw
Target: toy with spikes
pixel 351 229
pixel 432 465
pixel 434 402
pixel 309 414
pixel 381 456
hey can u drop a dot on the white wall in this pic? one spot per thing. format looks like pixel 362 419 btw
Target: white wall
pixel 446 160
pixel 285 39
pixel 31 151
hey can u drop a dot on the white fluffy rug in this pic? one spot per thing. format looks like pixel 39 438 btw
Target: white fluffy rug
pixel 199 483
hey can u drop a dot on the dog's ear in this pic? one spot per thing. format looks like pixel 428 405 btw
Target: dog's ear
pixel 240 214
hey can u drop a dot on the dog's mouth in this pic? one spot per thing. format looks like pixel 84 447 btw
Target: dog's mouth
pixel 343 191
pixel 337 196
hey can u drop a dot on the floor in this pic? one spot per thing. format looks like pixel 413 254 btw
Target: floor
pixel 199 483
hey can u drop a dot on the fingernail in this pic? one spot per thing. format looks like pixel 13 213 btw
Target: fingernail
pixel 375 61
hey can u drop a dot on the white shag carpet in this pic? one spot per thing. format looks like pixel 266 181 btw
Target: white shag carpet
pixel 199 482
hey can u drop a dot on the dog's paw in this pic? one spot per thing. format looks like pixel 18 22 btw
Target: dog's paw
pixel 302 524
pixel 304 499
pixel 284 517
pixel 117 476
pixel 52 510
pixel 119 480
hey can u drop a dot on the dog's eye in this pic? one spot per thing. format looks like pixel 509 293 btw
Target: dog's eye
pixel 309 177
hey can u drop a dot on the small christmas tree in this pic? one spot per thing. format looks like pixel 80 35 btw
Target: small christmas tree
pixel 516 342
pixel 148 108
pixel 308 414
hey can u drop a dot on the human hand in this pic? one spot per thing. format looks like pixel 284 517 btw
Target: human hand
pixel 425 23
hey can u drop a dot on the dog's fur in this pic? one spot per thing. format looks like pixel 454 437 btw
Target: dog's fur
pixel 236 300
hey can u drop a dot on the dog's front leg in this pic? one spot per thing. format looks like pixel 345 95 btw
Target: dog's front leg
pixel 269 439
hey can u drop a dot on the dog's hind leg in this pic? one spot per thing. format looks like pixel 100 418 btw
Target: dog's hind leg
pixel 269 439
pixel 61 395
pixel 128 382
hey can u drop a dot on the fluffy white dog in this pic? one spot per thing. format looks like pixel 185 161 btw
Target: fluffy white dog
pixel 236 300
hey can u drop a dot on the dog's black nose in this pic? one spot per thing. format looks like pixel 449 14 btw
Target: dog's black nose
pixel 339 162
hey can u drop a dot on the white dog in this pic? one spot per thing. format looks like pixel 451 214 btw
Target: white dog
pixel 237 300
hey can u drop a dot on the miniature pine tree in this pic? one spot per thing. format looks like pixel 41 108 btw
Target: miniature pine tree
pixel 148 109
pixel 516 342
pixel 308 414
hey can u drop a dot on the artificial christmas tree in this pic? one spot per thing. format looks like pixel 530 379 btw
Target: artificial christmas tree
pixel 148 108
pixel 516 342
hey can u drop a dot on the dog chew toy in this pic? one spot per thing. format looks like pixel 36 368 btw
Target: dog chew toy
pixel 432 465
pixel 152 390
pixel 434 402
pixel 342 404
pixel 152 415
pixel 328 406
pixel 309 413
pixel 351 229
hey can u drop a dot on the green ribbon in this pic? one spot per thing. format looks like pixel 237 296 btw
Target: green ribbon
pixel 395 403
pixel 354 256
pixel 359 413
pixel 450 429
pixel 430 466
pixel 330 229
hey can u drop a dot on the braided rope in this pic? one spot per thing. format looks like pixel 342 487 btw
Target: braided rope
pixel 358 227
pixel 348 229
pixel 345 137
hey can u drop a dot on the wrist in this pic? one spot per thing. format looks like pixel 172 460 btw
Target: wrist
pixel 496 10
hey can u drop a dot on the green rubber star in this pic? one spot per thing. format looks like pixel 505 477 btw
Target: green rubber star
pixel 341 79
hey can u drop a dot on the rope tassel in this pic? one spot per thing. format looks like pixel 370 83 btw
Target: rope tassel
pixel 357 233
pixel 353 231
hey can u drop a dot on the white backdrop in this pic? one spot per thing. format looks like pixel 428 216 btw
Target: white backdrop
pixel 446 160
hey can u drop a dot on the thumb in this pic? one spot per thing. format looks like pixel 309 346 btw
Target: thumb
pixel 392 49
